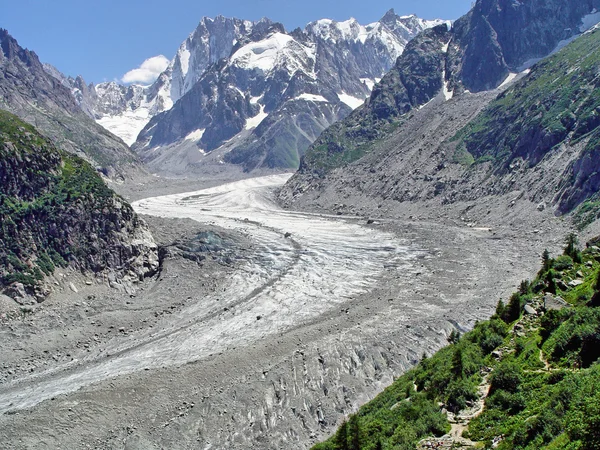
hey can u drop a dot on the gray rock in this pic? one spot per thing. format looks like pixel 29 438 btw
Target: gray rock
pixel 554 303
pixel 575 283
pixel 530 310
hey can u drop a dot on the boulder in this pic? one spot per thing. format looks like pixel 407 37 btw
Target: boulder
pixel 551 302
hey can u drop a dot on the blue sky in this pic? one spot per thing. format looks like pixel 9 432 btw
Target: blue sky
pixel 102 40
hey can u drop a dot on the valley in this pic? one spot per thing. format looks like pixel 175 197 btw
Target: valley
pixel 287 336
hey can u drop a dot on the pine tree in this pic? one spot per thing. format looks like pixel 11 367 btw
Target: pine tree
pixel 571 247
pixel 546 261
pixel 341 438
pixel 353 433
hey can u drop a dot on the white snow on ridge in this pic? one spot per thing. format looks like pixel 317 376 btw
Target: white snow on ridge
pixel 311 97
pixel 195 135
pixel 349 100
pixel 255 121
pixel 265 54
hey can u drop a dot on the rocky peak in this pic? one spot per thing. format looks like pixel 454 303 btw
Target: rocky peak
pixel 502 36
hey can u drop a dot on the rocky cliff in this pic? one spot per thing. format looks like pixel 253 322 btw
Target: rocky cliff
pixel 27 90
pixel 55 211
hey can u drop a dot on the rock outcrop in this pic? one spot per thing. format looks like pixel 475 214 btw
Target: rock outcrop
pixel 55 211
pixel 496 40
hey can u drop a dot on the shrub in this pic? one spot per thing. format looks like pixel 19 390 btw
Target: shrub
pixel 563 262
pixel 506 377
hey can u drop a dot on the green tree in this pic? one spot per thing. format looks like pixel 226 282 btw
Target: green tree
pixel 341 438
pixel 550 283
pixel 583 424
pixel 500 309
pixel 547 262
pixel 513 310
pixel 353 433
pixel 525 287
pixel 454 337
pixel 458 367
pixel 572 247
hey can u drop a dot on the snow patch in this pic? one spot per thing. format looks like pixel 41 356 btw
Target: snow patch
pixel 127 125
pixel 446 46
pixel 311 97
pixel 255 121
pixel 184 60
pixel 370 83
pixel 195 135
pixel 511 76
pixel 351 101
pixel 447 93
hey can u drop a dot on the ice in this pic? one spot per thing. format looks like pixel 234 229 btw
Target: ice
pixel 255 121
pixel 311 97
pixel 287 282
pixel 128 125
pixel 351 101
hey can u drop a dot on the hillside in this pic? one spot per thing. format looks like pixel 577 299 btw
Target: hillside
pixel 527 378
pixel 55 211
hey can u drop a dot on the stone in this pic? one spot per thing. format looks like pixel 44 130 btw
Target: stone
pixel 72 287
pixel 554 303
pixel 530 310
pixel 575 283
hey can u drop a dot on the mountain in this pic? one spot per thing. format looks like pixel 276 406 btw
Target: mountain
pixel 264 104
pixel 491 44
pixel 230 75
pixel 422 137
pixel 28 91
pixel 55 211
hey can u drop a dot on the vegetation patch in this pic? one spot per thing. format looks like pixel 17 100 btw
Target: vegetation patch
pixel 528 378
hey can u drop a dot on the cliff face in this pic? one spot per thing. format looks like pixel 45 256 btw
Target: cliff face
pixel 55 211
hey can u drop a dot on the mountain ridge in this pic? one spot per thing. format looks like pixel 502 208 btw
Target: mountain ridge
pixel 27 90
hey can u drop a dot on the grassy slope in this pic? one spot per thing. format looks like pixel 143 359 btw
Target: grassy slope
pixel 544 385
